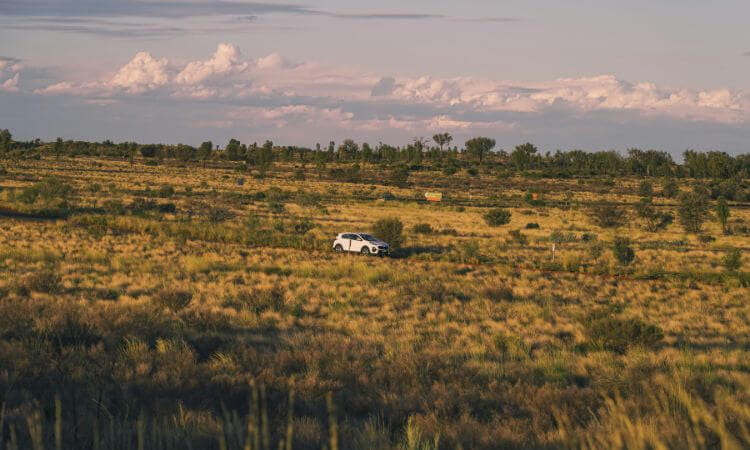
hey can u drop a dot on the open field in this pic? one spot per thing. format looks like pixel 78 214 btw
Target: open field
pixel 155 301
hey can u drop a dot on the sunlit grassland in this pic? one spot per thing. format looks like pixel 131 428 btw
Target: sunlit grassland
pixel 467 337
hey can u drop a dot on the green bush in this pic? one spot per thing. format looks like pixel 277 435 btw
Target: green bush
pixel 422 228
pixel 46 280
pixel 645 189
pixel 618 335
pixel 693 211
pixel 173 299
pixel 624 253
pixel 733 260
pixel 390 230
pixel 607 215
pixel 517 237
pixel 497 217
pixel 219 214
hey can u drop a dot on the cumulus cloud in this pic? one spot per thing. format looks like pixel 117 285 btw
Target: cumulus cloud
pixel 226 60
pixel 143 73
pixel 10 73
pixel 275 92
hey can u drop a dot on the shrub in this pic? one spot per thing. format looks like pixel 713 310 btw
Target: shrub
pixel 259 300
pixel 276 207
pixel 595 250
pixel 472 171
pixel 655 220
pixel 733 260
pixel 645 189
pixel 218 214
pixel 693 211
pixel 531 225
pixel 299 175
pixel 399 177
pixel 303 225
pixel 422 228
pixel 618 335
pixel 560 237
pixel 498 293
pixel 166 191
pixel 390 230
pixel 706 238
pixel 623 252
pixel 388 195
pixel 670 189
pixel 49 190
pixel 497 217
pixel 722 213
pixel 46 280
pixel 607 215
pixel 450 170
pixel 518 237
pixel 173 299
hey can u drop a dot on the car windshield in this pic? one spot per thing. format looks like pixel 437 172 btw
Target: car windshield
pixel 367 237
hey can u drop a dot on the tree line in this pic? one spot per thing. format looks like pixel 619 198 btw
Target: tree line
pixel 437 153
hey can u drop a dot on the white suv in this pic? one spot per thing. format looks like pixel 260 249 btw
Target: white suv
pixel 360 243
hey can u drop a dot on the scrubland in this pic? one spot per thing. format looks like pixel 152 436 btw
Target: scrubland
pixel 175 306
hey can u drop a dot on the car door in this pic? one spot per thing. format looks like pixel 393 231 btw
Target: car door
pixel 346 241
pixel 357 243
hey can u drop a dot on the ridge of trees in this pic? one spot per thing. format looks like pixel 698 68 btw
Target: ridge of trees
pixel 415 155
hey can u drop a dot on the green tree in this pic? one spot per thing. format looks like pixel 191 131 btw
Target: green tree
pixel 205 151
pixel 733 260
pixel 693 210
pixel 390 230
pixel 442 139
pixel 233 150
pixel 655 220
pixel 479 147
pixel 722 213
pixel 624 253
pixel 522 157
pixel 497 217
pixel 670 189
pixel 645 189
pixel 5 141
pixel 58 147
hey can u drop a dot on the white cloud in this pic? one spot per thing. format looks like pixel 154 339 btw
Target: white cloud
pixel 226 60
pixel 340 96
pixel 143 73
pixel 10 73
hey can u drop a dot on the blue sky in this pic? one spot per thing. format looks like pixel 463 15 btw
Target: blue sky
pixel 576 74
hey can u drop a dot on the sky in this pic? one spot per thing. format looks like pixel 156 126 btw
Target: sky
pixel 576 74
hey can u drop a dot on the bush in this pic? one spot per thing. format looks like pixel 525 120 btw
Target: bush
pixel 422 228
pixel 166 191
pixel 497 217
pixel 706 238
pixel 607 215
pixel 173 299
pixel 399 177
pixel 49 190
pixel 655 220
pixel 518 237
pixel 390 230
pixel 299 175
pixel 498 293
pixel 645 189
pixel 618 335
pixel 733 260
pixel 46 280
pixel 670 189
pixel 624 253
pixel 218 214
pixel 531 225
pixel 693 211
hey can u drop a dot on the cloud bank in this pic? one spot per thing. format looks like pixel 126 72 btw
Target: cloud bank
pixel 10 73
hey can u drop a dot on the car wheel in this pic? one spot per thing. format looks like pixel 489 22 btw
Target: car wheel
pixel 365 251
pixel 338 248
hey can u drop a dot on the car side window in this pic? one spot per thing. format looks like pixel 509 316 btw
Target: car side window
pixel 356 238
pixel 347 236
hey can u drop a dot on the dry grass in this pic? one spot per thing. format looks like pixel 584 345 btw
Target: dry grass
pixel 158 322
